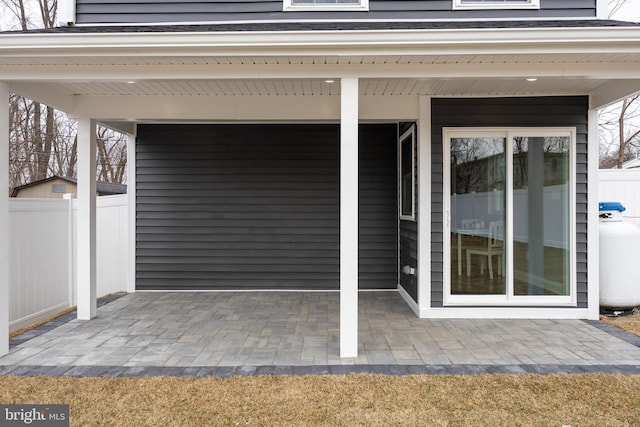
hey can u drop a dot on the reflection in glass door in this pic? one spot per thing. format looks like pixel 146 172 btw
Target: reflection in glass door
pixel 541 215
pixel 509 216
pixel 477 206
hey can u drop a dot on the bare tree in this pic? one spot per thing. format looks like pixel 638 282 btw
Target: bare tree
pixel 620 133
pixel 112 155
pixel 615 6
pixel 619 128
pixel 43 141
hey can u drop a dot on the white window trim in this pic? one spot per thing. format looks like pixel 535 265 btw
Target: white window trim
pixel 288 6
pixel 458 5
pixel 411 132
pixel 509 299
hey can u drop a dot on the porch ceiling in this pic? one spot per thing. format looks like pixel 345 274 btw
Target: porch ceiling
pixel 318 87
pixel 95 84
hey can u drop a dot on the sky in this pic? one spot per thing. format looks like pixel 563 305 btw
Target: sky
pixel 630 11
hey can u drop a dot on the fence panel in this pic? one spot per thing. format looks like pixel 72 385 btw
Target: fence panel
pixel 111 232
pixel 621 185
pixel 39 272
pixel 42 255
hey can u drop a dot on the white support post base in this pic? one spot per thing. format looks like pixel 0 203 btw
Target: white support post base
pixel 86 233
pixel 131 204
pixel 349 218
pixel 4 218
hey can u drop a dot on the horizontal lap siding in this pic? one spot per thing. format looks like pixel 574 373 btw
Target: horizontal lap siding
pixel 155 11
pixel 378 211
pixel 248 207
pixel 509 112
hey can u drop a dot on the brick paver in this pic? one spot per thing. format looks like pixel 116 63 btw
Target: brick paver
pixel 297 333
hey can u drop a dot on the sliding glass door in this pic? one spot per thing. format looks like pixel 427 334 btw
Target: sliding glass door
pixel 477 177
pixel 509 215
pixel 541 212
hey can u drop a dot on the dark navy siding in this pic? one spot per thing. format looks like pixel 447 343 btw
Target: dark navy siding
pixel 509 112
pixel 378 211
pixel 157 11
pixel 257 207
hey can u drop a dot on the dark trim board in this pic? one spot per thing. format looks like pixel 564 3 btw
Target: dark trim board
pixel 250 207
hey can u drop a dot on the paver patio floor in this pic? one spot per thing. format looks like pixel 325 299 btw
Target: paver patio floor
pixel 301 329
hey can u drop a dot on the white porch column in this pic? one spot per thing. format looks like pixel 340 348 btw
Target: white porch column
pixel 131 204
pixel 86 233
pixel 593 237
pixel 4 218
pixel 349 217
pixel 424 206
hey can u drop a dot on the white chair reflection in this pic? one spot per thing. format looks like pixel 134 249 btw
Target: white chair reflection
pixel 492 246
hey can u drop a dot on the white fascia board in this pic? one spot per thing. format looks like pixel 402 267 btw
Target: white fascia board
pixel 125 127
pixel 478 41
pixel 119 73
pixel 245 108
pixel 613 92
pixel 44 93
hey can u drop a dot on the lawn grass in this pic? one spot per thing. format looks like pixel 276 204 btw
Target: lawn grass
pixel 630 323
pixel 376 400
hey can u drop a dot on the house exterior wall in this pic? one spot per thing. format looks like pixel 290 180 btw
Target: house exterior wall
pixel 257 207
pixel 508 112
pixel 158 11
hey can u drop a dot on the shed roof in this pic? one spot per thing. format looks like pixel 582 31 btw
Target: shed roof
pixel 103 188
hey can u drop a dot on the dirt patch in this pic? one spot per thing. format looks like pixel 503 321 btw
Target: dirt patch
pixel 553 400
pixel 630 323
pixel 48 319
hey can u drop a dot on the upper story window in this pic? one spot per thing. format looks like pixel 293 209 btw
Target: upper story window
pixel 496 4
pixel 314 5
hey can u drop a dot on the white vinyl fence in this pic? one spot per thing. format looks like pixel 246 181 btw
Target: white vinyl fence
pixel 42 254
pixel 622 185
pixel 42 242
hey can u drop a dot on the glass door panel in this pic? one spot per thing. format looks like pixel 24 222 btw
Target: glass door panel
pixel 477 206
pixel 541 214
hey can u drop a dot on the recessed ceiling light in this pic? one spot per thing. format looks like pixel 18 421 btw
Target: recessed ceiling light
pixel 131 82
pixel 532 79
pixel 329 81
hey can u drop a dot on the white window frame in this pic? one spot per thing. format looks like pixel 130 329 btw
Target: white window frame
pixel 288 6
pixel 479 5
pixel 409 133
pixel 509 299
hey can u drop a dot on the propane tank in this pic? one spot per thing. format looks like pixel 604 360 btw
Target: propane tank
pixel 619 258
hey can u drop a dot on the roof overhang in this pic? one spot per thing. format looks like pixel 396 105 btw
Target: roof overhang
pixel 264 74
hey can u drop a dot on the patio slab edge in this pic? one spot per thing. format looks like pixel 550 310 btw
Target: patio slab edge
pixel 58 321
pixel 249 371
pixel 615 331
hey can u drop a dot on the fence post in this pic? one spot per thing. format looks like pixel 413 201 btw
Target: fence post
pixel 70 245
pixel 4 218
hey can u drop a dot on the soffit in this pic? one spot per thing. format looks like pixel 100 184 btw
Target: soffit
pixel 317 87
